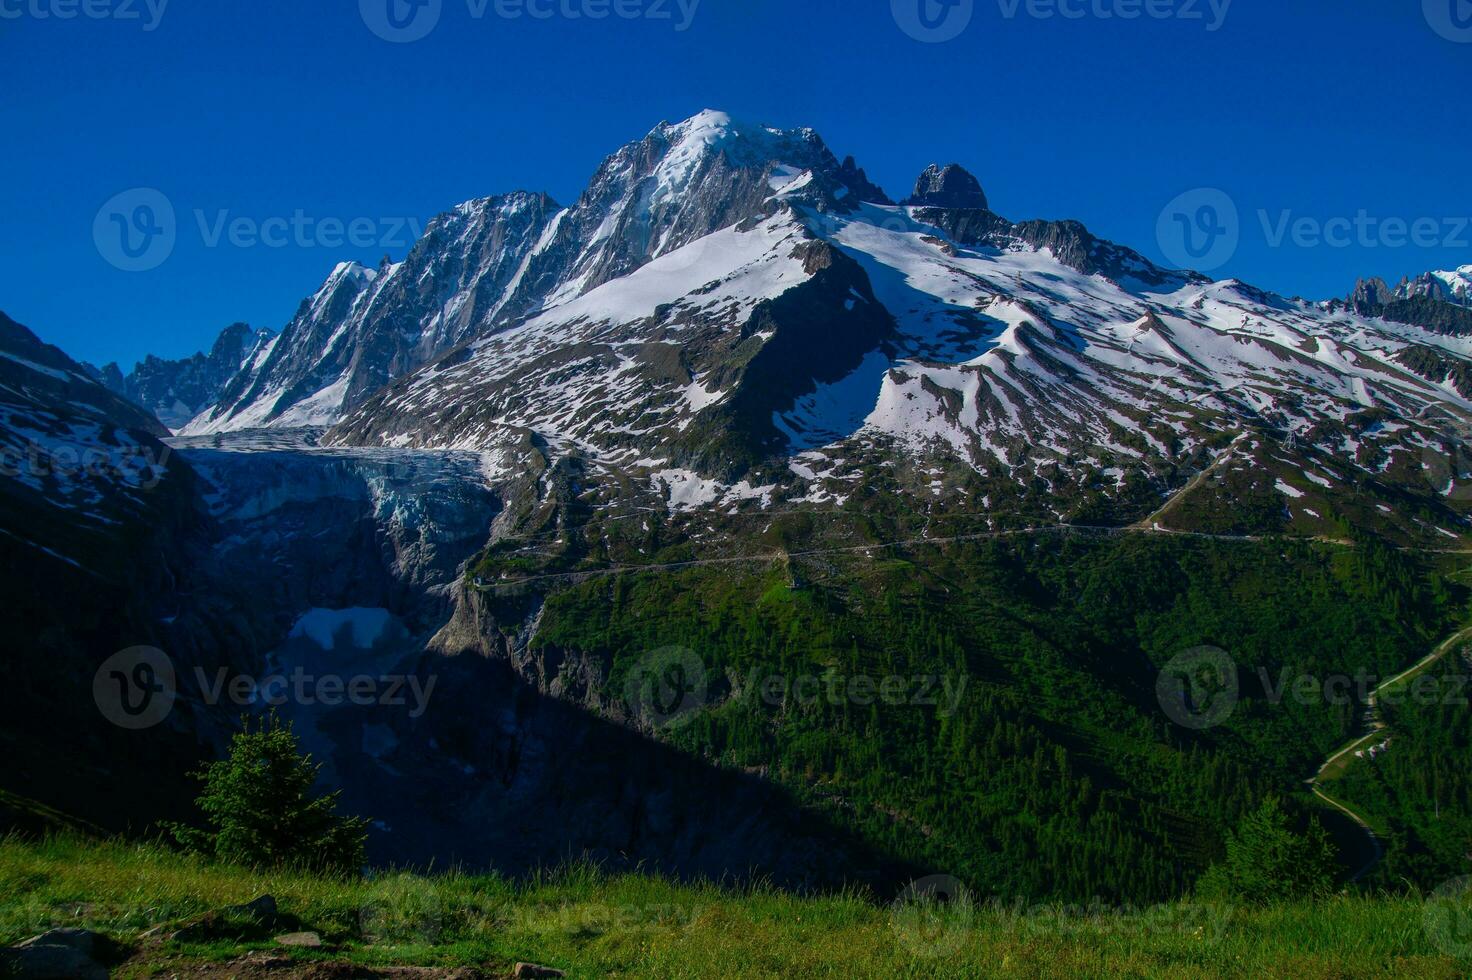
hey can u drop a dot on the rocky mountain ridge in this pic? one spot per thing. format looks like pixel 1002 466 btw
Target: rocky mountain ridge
pixel 492 262
pixel 175 391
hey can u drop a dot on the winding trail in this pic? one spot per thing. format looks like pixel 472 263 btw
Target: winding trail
pixel 1377 727
pixel 1152 522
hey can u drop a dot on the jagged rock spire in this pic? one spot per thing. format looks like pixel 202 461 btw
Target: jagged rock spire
pixel 949 187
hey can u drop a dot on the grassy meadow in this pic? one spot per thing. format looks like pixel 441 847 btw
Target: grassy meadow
pixel 590 924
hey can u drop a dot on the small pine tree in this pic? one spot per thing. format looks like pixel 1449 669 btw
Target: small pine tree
pixel 258 804
pixel 1268 861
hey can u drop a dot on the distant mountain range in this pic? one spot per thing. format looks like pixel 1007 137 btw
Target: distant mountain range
pixel 177 390
pixel 1453 287
pixel 729 312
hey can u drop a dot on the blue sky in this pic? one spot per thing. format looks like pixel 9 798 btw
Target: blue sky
pixel 293 110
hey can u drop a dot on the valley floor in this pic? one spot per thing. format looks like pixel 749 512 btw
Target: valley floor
pixel 591 925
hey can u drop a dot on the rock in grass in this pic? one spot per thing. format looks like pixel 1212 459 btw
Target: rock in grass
pixel 43 962
pixel 306 940
pixel 261 909
pixel 261 912
pixel 84 941
pixel 531 971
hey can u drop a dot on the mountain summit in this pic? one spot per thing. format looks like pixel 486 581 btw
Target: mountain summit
pixel 948 187
pixel 491 262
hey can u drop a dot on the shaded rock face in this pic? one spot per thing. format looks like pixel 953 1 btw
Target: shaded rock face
pixel 304 530
pixel 1369 294
pixel 1447 287
pixel 40 378
pixel 947 187
pixel 851 175
pixel 364 326
pixel 99 521
pixel 820 332
pixel 1068 241
pixel 498 774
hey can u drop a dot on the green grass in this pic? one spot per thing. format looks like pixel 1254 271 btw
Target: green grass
pixel 595 925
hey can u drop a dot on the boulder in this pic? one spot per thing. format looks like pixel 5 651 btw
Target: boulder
pixel 261 914
pixel 261 909
pixel 47 962
pixel 84 941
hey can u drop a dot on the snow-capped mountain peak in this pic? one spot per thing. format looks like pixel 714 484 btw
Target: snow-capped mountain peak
pixel 1454 285
pixel 1446 286
pixel 729 306
pixel 493 262
pixel 363 327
